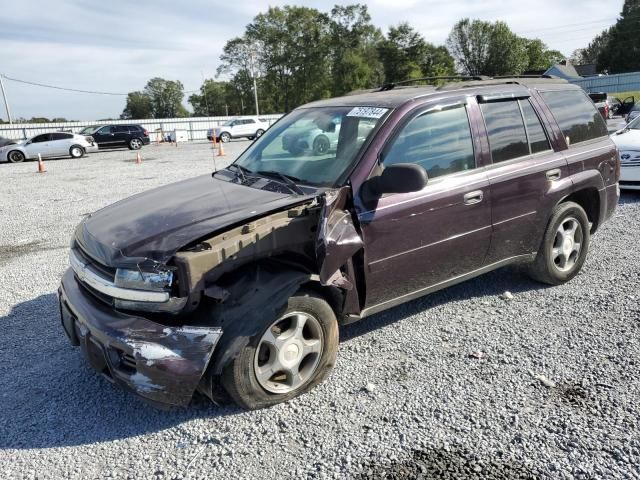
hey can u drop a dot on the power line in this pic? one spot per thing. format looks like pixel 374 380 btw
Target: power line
pixel 76 90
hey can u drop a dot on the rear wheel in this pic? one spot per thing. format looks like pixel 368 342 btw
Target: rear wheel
pixel 16 156
pixel 564 246
pixel 76 151
pixel 288 357
pixel 135 144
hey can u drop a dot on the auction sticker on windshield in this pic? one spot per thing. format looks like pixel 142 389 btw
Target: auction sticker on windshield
pixel 367 112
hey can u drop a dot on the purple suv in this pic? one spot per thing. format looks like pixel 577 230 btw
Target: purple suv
pixel 235 283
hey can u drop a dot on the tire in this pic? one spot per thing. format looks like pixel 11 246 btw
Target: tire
pixel 252 390
pixel 135 144
pixel 557 261
pixel 251 138
pixel 225 137
pixel 15 156
pixel 321 145
pixel 76 151
pixel 259 133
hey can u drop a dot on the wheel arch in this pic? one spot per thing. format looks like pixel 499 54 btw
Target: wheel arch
pixel 589 199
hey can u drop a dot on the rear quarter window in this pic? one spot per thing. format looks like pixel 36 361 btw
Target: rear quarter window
pixel 577 116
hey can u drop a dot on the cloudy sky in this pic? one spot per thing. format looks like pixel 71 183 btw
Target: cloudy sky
pixel 117 45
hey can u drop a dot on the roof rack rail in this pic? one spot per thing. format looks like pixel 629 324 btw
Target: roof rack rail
pixel 544 75
pixel 391 85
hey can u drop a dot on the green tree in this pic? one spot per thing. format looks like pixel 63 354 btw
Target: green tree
pixel 539 56
pixel 485 48
pixel 618 49
pixel 166 98
pixel 405 54
pixel 352 41
pixel 212 99
pixel 138 106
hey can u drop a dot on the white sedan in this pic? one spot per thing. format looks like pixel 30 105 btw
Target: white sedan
pixel 56 144
pixel 628 142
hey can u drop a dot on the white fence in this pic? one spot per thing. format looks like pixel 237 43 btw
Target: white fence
pixel 195 126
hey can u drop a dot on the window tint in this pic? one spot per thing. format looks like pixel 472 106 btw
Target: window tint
pixel 505 128
pixel 41 138
pixel 122 128
pixel 60 136
pixel 439 141
pixel 104 130
pixel 535 133
pixel 249 121
pixel 576 115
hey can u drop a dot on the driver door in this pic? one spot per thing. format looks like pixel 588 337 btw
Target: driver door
pixel 626 105
pixel 421 240
pixel 40 144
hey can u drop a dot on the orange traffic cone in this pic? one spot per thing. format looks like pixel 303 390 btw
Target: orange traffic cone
pixel 220 150
pixel 41 167
pixel 138 159
pixel 215 140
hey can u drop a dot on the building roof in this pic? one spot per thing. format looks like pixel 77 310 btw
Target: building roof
pixel 563 71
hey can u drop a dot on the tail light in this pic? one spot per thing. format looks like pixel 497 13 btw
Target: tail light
pixel 606 111
pixel 145 133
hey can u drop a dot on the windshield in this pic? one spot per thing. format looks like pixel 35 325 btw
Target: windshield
pixel 87 130
pixel 634 124
pixel 315 146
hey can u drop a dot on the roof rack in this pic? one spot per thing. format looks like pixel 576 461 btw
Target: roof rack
pixel 544 75
pixel 391 85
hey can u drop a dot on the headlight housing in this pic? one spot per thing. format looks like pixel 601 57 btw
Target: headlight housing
pixel 160 280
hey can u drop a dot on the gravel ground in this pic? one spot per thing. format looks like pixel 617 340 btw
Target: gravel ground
pixel 468 382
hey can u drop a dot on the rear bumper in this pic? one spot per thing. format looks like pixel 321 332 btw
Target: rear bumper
pixel 160 363
pixel 146 140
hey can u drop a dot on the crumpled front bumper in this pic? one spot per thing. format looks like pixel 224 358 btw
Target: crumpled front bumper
pixel 160 363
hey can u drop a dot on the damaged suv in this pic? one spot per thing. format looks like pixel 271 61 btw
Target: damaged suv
pixel 234 284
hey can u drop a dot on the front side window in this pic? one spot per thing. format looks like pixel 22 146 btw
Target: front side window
pixel 439 141
pixel 505 129
pixel 576 115
pixel 104 130
pixel 41 138
pixel 315 146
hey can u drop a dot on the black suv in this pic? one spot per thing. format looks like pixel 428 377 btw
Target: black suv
pixel 110 136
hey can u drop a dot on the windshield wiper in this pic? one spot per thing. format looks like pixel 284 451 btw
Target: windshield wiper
pixel 288 180
pixel 240 171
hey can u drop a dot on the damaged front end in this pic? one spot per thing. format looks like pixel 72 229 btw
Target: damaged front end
pixel 155 327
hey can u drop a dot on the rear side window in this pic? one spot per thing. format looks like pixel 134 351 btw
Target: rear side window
pixel 505 128
pixel 576 115
pixel 538 140
pixel 60 136
pixel 440 141
pixel 122 128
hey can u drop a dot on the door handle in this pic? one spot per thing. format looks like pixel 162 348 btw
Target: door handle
pixel 474 197
pixel 554 174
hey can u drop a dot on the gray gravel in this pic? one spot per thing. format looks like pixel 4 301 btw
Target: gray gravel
pixel 468 382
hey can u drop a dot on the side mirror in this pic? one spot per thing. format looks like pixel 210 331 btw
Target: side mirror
pixel 398 178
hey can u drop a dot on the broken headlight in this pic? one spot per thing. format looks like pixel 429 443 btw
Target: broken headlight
pixel 159 280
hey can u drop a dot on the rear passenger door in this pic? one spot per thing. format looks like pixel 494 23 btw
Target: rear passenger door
pixel 121 134
pixel 60 143
pixel 524 170
pixel 423 239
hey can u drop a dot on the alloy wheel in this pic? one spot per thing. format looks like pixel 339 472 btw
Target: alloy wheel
pixel 288 352
pixel 567 244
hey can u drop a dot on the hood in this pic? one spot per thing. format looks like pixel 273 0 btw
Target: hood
pixel 629 140
pixel 157 223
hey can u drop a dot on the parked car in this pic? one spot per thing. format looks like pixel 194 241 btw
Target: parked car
pixel 626 105
pixel 308 137
pixel 241 127
pixel 56 144
pixel 237 281
pixel 633 113
pixel 6 141
pixel 600 101
pixel 112 136
pixel 628 142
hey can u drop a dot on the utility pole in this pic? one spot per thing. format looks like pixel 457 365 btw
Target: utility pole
pixel 6 103
pixel 252 55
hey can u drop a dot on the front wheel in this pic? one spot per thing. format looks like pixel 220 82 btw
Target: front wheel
pixel 564 245
pixel 16 156
pixel 321 145
pixel 288 356
pixel 225 137
pixel 76 152
pixel 259 133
